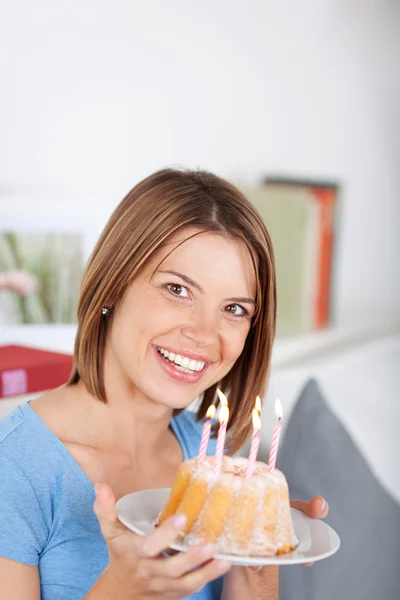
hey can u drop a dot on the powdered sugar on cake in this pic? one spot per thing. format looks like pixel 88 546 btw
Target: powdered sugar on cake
pixel 247 517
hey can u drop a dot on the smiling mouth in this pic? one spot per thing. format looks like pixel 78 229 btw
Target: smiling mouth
pixel 182 363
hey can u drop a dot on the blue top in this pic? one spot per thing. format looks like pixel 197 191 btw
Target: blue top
pixel 46 506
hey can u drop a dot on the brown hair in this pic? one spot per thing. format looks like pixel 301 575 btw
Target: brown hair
pixel 155 209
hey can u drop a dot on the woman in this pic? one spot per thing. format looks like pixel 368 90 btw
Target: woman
pixel 184 265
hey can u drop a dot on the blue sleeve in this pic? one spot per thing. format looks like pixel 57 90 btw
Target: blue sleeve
pixel 188 431
pixel 23 531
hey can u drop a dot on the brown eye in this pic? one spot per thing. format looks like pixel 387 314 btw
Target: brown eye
pixel 176 289
pixel 237 310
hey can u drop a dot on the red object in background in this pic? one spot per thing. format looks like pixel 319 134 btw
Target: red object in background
pixel 24 370
pixel 326 198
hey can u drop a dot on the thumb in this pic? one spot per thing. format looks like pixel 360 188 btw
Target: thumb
pixel 105 511
pixel 316 508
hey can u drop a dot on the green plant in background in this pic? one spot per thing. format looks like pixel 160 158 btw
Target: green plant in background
pixel 56 260
pixel 11 240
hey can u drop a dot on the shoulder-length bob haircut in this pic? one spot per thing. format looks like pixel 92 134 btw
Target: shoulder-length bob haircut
pixel 155 209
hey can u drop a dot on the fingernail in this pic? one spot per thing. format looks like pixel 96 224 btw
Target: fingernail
pixel 208 549
pixel 223 565
pixel 322 504
pixel 180 520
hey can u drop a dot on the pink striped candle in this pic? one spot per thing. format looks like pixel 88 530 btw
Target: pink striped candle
pixel 255 443
pixel 223 422
pixel 275 436
pixel 205 436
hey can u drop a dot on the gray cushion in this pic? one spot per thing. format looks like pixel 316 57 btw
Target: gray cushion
pixel 318 457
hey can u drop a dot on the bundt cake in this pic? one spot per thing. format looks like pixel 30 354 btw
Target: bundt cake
pixel 247 517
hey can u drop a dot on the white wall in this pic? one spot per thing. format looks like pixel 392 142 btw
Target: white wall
pixel 96 95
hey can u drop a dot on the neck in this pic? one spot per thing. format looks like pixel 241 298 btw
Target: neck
pixel 128 422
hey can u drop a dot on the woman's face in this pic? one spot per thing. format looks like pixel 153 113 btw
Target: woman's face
pixel 183 321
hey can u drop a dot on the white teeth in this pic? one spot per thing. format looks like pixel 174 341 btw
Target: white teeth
pixel 186 364
pixel 183 369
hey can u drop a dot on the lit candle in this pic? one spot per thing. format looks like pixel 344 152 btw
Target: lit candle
pixel 205 436
pixel 275 436
pixel 255 441
pixel 223 421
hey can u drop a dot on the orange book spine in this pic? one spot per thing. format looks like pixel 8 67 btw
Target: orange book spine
pixel 326 198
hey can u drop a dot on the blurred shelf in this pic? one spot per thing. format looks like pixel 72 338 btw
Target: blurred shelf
pixel 301 349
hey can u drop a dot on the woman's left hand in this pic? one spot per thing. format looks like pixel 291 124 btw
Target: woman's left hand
pixel 316 508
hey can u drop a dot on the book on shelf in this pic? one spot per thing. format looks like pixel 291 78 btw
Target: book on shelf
pixel 24 370
pixel 300 222
pixel 324 195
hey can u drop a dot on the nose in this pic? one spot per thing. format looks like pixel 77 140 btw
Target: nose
pixel 201 329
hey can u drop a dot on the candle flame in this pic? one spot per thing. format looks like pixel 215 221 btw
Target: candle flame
pixel 278 409
pixel 258 405
pixel 222 397
pixel 223 414
pixel 210 411
pixel 256 419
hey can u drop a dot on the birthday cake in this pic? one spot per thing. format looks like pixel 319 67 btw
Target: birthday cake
pixel 243 515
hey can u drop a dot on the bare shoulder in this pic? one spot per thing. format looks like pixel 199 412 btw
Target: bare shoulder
pixel 59 409
pixel 18 580
pixel 52 401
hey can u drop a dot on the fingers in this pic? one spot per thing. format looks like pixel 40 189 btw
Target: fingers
pixel 155 542
pixel 183 586
pixel 185 573
pixel 105 511
pixel 196 580
pixel 183 562
pixel 316 508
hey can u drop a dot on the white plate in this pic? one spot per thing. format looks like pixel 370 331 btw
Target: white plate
pixel 317 540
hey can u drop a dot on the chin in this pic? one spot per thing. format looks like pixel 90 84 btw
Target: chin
pixel 171 399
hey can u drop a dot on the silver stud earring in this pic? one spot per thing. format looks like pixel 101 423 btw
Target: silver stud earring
pixel 105 311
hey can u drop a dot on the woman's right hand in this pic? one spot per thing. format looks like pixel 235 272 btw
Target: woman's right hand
pixel 137 569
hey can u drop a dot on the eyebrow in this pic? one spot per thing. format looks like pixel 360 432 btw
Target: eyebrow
pixel 194 284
